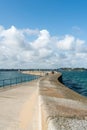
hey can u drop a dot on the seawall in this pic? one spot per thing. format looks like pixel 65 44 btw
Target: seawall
pixel 42 104
pixel 60 107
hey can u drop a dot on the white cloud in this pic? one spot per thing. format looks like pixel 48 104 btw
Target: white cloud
pixel 77 30
pixel 30 31
pixel 28 48
pixel 1 28
pixel 67 43
pixel 81 46
pixel 70 43
pixel 42 40
pixel 43 53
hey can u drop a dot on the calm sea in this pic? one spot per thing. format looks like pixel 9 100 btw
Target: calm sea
pixel 13 77
pixel 76 80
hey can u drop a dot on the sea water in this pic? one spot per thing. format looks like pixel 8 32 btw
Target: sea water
pixel 76 80
pixel 14 77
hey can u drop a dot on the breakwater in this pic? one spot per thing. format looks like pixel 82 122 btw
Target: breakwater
pixel 61 108
pixel 43 104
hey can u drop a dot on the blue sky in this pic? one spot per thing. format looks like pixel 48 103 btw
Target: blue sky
pixel 59 19
pixel 58 16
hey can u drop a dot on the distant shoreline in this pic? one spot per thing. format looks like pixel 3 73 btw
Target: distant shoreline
pixel 57 69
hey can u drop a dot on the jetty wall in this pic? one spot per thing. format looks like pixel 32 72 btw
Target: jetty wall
pixel 60 107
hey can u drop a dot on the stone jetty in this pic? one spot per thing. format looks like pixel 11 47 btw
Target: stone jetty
pixel 61 108
pixel 42 104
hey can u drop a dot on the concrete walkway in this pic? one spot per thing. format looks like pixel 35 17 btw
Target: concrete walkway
pixel 43 104
pixel 19 107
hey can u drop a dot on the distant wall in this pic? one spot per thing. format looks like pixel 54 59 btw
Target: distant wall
pixel 41 73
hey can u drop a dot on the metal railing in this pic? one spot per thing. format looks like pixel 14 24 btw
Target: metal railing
pixel 17 80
